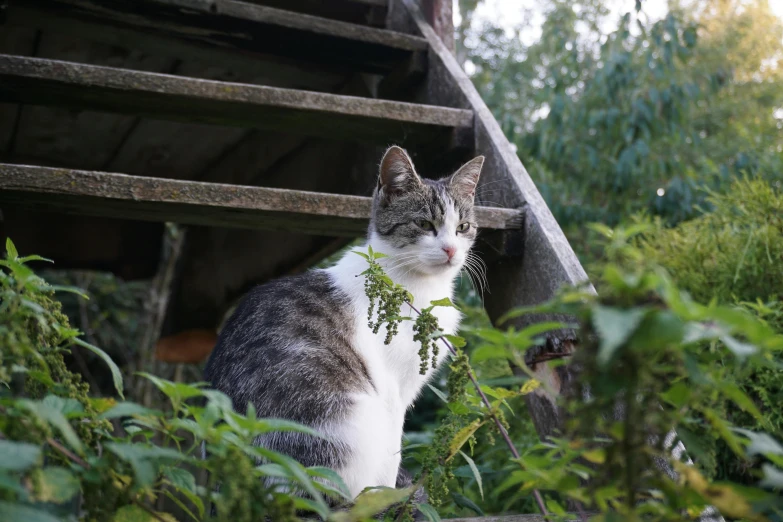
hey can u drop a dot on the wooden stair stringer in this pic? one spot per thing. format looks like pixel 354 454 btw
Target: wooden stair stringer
pixel 544 261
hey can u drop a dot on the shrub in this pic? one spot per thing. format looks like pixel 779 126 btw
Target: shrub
pixel 734 254
pixel 66 456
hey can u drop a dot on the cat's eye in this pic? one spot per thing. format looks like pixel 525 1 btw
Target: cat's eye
pixel 463 227
pixel 425 225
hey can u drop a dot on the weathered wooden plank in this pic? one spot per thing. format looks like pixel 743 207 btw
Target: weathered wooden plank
pixel 77 139
pixel 187 202
pixel 242 26
pixel 370 12
pixel 160 96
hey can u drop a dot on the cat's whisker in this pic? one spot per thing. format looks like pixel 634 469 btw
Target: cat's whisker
pixel 478 270
pixel 481 266
pixel 475 280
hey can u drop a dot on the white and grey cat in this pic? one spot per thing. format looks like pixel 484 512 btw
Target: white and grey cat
pixel 299 348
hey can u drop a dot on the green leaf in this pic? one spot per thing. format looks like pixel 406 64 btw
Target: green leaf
pixel 56 419
pixel 462 437
pixel 741 399
pixel 738 348
pixel 465 502
pixel 455 340
pixel 128 409
pixel 10 249
pixel 677 395
pixel 773 477
pixel 68 407
pixel 723 430
pixel 144 459
pixel 116 374
pixel 11 483
pixel 182 505
pixel 761 443
pixel 458 408
pixel 443 302
pixel 429 512
pixel 475 471
pixel 614 326
pixel 21 513
pixel 57 485
pixel 371 502
pixel 27 259
pixel 69 289
pixel 694 445
pixel 134 513
pixel 18 456
pixel 440 394
pixel 488 352
pixel 333 477
pixel 297 472
pixel 180 478
pixel 305 504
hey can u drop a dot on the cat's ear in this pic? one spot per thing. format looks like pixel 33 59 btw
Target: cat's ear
pixel 397 173
pixel 465 180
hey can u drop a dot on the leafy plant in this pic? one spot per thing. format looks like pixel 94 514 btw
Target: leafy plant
pixel 67 456
pixel 733 254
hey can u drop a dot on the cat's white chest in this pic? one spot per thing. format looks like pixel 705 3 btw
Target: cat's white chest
pixel 375 427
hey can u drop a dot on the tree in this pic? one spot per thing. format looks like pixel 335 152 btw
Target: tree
pixel 642 117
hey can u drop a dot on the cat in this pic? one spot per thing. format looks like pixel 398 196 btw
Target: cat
pixel 300 348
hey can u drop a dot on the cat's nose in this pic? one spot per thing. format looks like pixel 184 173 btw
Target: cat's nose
pixel 450 251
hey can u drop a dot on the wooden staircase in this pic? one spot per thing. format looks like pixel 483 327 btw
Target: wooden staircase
pixel 259 124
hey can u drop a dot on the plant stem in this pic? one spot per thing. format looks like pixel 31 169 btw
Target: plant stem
pixel 503 433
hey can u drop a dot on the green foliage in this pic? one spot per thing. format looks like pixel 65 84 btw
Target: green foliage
pixel 663 363
pixel 732 254
pixel 66 456
pixel 610 123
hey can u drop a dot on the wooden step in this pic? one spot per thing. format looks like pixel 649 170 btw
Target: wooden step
pixel 49 82
pixel 244 27
pixel 368 12
pixel 194 203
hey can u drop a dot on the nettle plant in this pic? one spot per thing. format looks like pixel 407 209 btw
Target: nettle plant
pixel 649 379
pixel 66 456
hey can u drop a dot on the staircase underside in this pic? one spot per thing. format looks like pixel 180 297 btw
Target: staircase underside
pixel 296 98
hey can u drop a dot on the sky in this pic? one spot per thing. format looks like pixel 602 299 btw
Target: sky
pixel 510 13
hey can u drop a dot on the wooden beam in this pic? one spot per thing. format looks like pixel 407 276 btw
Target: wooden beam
pixel 369 12
pixel 160 96
pixel 244 27
pixel 195 203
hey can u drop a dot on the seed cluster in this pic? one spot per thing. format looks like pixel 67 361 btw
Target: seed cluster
pixel 425 329
pixel 385 304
